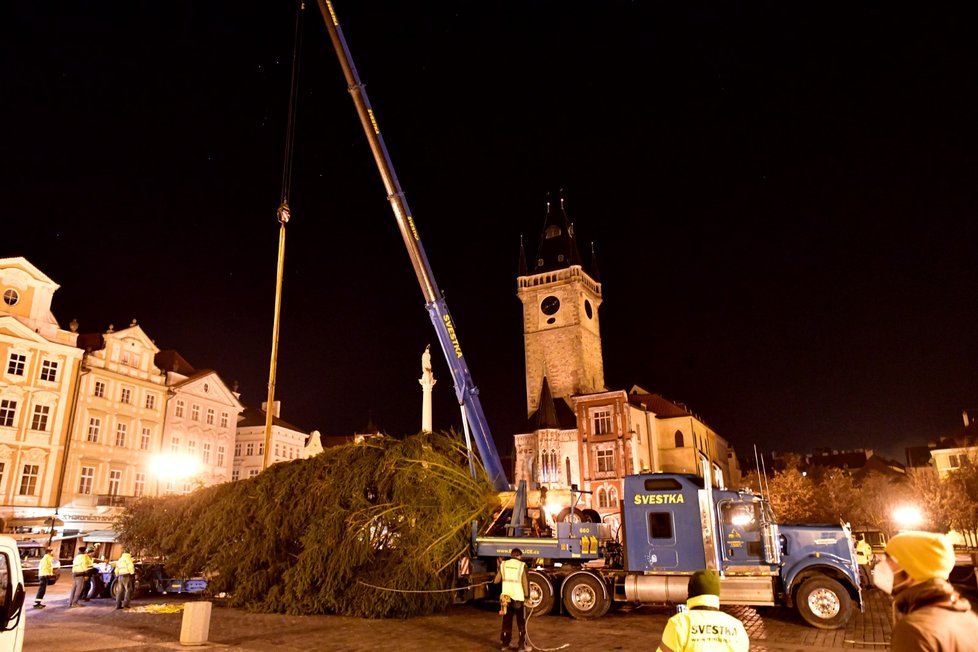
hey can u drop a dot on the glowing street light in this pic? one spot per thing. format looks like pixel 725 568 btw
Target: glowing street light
pixel 907 516
pixel 173 467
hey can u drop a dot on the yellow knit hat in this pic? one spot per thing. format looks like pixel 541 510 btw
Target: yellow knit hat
pixel 924 555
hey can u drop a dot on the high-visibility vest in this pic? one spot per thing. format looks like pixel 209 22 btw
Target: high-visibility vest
pixel 46 567
pixel 512 571
pixel 124 565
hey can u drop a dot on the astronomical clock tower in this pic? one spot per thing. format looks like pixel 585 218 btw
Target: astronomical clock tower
pixel 561 328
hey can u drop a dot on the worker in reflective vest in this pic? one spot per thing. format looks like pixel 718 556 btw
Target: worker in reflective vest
pixel 864 557
pixel 702 627
pixel 516 586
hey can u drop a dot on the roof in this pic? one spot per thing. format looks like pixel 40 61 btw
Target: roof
pixel 171 360
pixel 558 246
pixel 661 406
pixel 252 417
pixel 551 414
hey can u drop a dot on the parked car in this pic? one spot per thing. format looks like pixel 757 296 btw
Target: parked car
pixel 31 553
pixel 151 578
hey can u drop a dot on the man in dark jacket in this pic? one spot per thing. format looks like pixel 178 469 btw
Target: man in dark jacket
pixel 930 615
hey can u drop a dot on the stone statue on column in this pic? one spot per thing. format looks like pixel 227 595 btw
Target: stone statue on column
pixel 427 381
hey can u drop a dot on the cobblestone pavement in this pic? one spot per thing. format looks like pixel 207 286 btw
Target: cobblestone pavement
pixel 99 626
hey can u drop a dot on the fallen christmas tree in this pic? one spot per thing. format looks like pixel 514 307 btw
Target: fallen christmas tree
pixel 371 529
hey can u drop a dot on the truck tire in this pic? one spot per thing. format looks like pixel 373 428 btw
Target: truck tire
pixel 585 596
pixel 575 516
pixel 823 603
pixel 114 589
pixel 540 601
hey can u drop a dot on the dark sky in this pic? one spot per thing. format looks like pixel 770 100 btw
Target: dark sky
pixel 781 195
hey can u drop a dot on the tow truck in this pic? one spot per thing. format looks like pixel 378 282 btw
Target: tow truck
pixel 672 524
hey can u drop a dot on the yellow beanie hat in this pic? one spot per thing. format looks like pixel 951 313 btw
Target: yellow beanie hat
pixel 924 555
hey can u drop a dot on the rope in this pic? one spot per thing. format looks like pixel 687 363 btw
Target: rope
pixel 457 588
pixel 293 92
pixel 526 624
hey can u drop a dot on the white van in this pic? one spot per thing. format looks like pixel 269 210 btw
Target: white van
pixel 12 619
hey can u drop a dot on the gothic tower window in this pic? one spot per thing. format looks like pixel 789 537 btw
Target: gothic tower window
pixel 679 439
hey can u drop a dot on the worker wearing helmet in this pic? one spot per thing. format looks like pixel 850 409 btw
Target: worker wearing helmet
pixel 702 627
pixel 516 586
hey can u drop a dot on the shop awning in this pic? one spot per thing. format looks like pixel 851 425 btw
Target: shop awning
pixel 98 536
pixel 35 521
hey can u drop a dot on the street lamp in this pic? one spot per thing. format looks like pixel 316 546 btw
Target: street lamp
pixel 173 467
pixel 907 517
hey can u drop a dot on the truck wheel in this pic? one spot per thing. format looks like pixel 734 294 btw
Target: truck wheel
pixel 114 589
pixel 576 516
pixel 824 603
pixel 584 596
pixel 540 601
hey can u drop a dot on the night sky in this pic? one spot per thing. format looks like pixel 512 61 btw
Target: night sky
pixel 781 197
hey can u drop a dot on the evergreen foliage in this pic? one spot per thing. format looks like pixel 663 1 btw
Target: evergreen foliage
pixel 318 536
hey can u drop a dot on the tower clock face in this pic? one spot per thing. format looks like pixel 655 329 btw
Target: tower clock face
pixel 550 305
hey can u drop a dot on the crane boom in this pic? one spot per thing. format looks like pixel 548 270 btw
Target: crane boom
pixel 465 389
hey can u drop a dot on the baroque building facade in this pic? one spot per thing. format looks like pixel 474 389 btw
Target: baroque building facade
pixel 39 380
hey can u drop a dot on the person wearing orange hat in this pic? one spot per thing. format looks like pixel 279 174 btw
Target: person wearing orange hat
pixel 930 614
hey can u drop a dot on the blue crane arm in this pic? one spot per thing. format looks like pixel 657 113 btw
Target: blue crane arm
pixel 465 389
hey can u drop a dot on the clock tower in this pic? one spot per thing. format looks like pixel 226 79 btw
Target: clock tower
pixel 561 332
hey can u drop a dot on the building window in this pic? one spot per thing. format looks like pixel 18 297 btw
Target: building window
pixel 235 474
pixel 261 448
pixel 276 450
pixel 195 412
pixel 94 426
pixel 206 388
pixel 8 408
pixel 602 422
pixel 955 461
pixel 237 450
pixel 210 416
pixel 140 485
pixel 99 389
pixel 130 359
pixel 679 439
pixel 115 479
pixel 224 419
pixel 150 401
pixel 49 371
pixel 220 456
pixel 40 420
pixel 205 454
pixel 250 449
pixel 10 297
pixel 126 396
pixel 568 470
pixel 144 439
pixel 28 481
pixel 87 480
pixel 3 467
pixel 175 445
pixel 252 473
pixel 602 498
pixel 120 434
pixel 612 497
pixel 179 409
pixel 15 364
pixel 606 461
pixel 191 448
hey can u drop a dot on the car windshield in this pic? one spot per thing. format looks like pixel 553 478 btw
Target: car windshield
pixel 30 552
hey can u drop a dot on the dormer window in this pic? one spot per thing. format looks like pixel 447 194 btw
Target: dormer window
pixel 10 297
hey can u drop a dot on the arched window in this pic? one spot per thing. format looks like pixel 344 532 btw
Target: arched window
pixel 554 469
pixel 612 497
pixel 602 498
pixel 544 467
pixel 679 439
pixel 567 464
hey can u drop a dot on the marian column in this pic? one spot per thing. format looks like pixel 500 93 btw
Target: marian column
pixel 427 381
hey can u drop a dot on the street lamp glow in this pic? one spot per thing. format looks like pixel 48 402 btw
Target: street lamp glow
pixel 174 466
pixel 908 516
